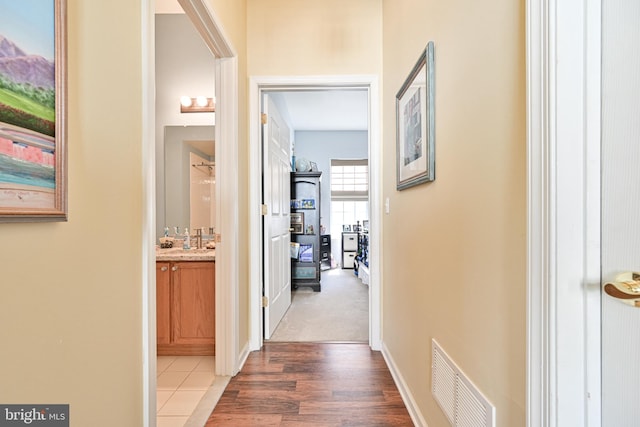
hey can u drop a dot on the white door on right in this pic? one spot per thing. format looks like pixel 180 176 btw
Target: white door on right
pixel 620 208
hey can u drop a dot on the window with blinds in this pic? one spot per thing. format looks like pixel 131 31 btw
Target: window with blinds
pixel 349 179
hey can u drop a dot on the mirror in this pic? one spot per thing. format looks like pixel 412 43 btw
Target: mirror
pixel 189 178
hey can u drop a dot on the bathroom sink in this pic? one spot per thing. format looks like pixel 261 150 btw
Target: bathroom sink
pixel 198 251
pixel 180 250
pixel 179 254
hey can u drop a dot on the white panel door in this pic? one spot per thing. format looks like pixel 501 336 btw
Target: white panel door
pixel 620 208
pixel 277 197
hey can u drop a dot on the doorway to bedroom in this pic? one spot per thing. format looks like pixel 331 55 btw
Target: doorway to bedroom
pixel 328 128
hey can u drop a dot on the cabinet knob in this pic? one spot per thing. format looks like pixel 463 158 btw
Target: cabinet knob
pixel 164 268
pixel 174 268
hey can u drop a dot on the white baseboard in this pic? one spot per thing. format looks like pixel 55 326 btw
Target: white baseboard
pixel 242 357
pixel 407 397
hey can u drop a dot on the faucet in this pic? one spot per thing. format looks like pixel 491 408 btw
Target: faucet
pixel 199 238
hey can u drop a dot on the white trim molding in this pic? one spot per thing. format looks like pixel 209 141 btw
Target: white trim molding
pixel 149 356
pixel 563 131
pixel 537 215
pixel 255 230
pixel 592 187
pixel 227 250
pixel 405 392
pixel 375 215
pixel 256 86
pixel 209 27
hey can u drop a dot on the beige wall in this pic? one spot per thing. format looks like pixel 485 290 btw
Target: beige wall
pixel 71 304
pixel 168 6
pixel 454 249
pixel 290 37
pixel 455 272
pixel 355 48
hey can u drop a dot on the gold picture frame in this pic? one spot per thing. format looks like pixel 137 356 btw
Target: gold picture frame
pixel 33 129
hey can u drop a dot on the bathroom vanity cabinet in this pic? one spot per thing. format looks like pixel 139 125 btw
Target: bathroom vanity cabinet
pixel 185 307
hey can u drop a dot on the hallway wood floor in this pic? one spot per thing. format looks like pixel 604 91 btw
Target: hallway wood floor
pixel 312 384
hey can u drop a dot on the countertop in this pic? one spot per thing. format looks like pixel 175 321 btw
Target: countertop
pixel 179 254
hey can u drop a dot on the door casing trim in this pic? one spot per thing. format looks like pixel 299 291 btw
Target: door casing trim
pixel 148 259
pixel 227 327
pixel 563 213
pixel 256 85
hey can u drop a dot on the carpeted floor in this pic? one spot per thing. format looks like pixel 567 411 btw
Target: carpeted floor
pixel 339 312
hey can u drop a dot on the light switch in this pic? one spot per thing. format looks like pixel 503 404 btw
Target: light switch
pixel 386 206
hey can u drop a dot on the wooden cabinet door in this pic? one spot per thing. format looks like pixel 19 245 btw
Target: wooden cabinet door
pixel 163 304
pixel 194 303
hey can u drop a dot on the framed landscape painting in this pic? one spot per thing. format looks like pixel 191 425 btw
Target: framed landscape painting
pixel 33 158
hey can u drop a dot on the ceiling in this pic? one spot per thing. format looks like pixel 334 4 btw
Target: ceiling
pixel 325 109
pixel 208 147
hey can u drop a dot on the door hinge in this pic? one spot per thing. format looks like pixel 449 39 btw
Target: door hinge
pixel 263 118
pixel 264 210
pixel 265 302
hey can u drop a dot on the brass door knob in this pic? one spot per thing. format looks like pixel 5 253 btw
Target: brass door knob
pixel 625 288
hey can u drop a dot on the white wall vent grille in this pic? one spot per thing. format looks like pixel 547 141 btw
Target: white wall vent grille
pixel 460 400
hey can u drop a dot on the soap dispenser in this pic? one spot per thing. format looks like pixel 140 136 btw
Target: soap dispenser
pixel 186 244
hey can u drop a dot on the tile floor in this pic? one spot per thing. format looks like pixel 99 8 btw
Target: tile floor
pixel 182 381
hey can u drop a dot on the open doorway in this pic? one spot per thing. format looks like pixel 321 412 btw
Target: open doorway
pixel 226 323
pixel 185 197
pixel 319 137
pixel 328 141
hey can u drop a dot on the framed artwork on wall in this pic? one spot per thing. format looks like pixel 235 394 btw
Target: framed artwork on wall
pixel 33 157
pixel 415 124
pixel 297 217
pixel 297 222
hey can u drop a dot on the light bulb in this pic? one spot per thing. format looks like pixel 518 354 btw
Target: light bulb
pixel 201 101
pixel 185 101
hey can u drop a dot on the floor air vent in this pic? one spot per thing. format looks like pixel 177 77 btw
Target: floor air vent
pixel 460 400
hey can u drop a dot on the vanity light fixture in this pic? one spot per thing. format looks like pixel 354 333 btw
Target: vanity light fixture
pixel 199 104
